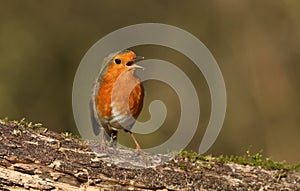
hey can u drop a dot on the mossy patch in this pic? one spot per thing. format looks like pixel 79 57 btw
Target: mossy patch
pixel 251 159
pixel 71 135
pixel 24 124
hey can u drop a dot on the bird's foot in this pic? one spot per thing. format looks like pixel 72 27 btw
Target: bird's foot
pixel 138 149
pixel 103 146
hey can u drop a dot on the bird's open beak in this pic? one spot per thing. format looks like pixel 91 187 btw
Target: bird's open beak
pixel 138 58
pixel 137 66
pixel 135 60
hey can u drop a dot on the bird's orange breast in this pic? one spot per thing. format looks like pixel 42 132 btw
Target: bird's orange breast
pixel 119 95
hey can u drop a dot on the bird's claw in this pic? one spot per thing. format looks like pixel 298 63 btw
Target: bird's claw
pixel 103 146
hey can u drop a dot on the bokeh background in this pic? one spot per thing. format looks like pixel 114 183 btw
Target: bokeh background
pixel 256 44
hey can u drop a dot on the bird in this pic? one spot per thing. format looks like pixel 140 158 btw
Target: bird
pixel 117 96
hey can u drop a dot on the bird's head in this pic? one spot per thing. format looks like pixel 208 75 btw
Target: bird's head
pixel 126 60
pixel 120 62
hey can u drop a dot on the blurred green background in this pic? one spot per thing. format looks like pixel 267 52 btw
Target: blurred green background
pixel 256 44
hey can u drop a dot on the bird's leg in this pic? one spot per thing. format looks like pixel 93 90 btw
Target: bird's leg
pixel 103 143
pixel 138 147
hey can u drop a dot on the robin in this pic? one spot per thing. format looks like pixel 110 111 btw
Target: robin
pixel 117 97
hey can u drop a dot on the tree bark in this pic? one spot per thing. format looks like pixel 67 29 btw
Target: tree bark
pixel 39 159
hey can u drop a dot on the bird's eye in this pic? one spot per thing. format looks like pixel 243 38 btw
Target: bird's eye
pixel 117 61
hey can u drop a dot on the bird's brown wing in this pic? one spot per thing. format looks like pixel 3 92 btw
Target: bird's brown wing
pixel 97 124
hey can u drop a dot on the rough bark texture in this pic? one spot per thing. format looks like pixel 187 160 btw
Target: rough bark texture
pixel 38 159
